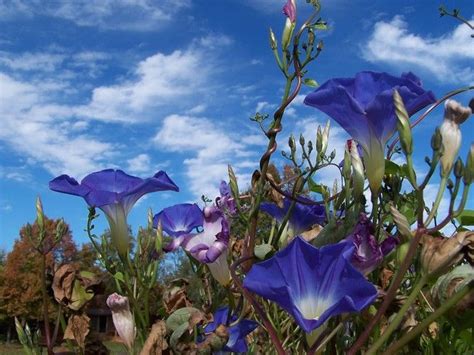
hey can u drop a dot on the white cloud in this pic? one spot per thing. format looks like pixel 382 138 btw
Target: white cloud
pixel 262 106
pixel 161 80
pixel 213 149
pixel 140 164
pixel 32 61
pixel 448 58
pixel 35 128
pixel 136 15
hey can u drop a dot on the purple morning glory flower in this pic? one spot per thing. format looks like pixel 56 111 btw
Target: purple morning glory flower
pixel 303 216
pixel 179 219
pixel 364 107
pixel 368 253
pixel 208 246
pixel 115 193
pixel 237 332
pixel 311 284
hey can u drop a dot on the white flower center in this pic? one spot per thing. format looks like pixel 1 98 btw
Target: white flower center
pixel 313 308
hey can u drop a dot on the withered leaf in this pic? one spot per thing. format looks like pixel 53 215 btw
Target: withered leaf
pixel 156 342
pixel 77 329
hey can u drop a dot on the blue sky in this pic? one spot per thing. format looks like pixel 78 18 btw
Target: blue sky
pixel 169 85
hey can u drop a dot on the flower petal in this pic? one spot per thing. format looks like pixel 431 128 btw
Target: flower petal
pixel 311 284
pixel 179 219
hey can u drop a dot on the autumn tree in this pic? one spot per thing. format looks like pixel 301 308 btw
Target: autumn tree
pixel 20 289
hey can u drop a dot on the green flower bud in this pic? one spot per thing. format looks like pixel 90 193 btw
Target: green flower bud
pixel 436 140
pixel 458 168
pixel 273 41
pixel 39 213
pixel 302 140
pixel 469 169
pixel 403 124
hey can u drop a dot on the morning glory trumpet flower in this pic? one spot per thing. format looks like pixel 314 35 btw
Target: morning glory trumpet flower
pixel 208 246
pixel 364 107
pixel 115 193
pixel 303 217
pixel 312 284
pixel 237 332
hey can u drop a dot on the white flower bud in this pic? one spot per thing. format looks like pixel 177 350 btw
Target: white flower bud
pixel 454 115
pixel 357 168
pixel 123 318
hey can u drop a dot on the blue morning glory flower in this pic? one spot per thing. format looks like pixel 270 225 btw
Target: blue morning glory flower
pixel 303 216
pixel 115 193
pixel 312 284
pixel 237 332
pixel 364 107
pixel 179 219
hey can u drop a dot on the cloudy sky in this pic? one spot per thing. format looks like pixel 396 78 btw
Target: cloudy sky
pixel 147 85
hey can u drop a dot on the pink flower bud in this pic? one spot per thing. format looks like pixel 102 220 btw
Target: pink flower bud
pixel 123 318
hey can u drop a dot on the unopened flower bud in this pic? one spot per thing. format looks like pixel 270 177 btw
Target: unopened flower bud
pixel 332 155
pixel 302 140
pixel 122 318
pixel 469 169
pixel 273 41
pixel 357 168
pixel 311 38
pixel 39 213
pixel 454 115
pixel 320 46
pixel 325 137
pixel 458 168
pixel 436 140
pixel 403 124
pixel 438 254
pixel 290 11
pixel 346 169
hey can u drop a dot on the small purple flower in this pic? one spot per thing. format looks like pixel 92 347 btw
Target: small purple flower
pixel 303 216
pixel 115 193
pixel 179 219
pixel 208 246
pixel 364 107
pixel 311 284
pixel 237 332
pixel 368 254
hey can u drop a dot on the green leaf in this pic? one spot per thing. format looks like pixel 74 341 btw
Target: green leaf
pixel 314 187
pixel 80 296
pixel 119 276
pixel 311 83
pixel 180 316
pixel 178 333
pixel 320 25
pixel 466 218
pixel 391 168
pixel 262 250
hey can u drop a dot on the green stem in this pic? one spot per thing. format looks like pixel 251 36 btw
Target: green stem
pixel 44 293
pixel 406 338
pixel 399 317
pixel 439 196
pixel 462 204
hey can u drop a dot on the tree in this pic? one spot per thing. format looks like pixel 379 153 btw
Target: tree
pixel 20 287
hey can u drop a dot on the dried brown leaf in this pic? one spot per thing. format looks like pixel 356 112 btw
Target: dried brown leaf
pixel 156 342
pixel 77 329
